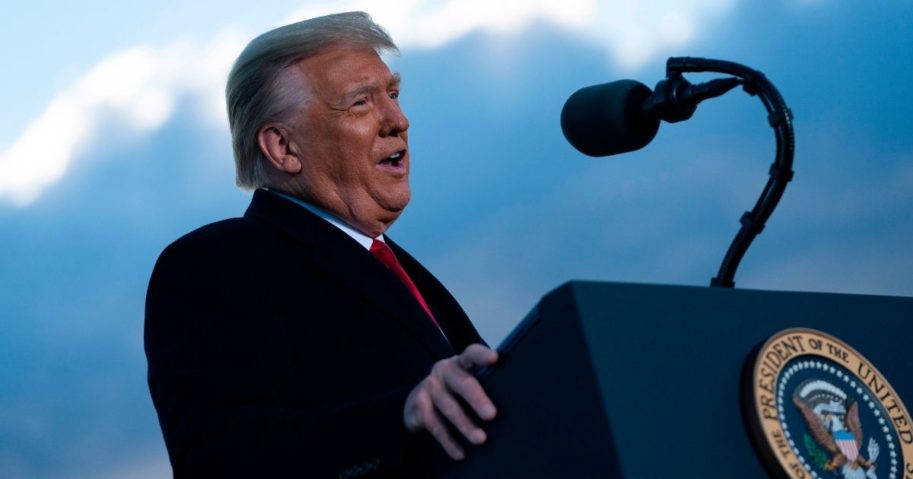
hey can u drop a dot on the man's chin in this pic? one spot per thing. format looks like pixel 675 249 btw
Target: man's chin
pixel 383 217
pixel 392 212
pixel 395 204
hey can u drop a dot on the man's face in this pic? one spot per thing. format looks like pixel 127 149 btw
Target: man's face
pixel 351 139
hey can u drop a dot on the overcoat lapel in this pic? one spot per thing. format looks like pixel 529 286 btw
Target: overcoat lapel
pixel 352 265
pixel 447 311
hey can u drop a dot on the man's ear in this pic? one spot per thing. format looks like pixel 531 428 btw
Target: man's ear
pixel 276 144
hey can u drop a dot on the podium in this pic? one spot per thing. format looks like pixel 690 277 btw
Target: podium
pixel 640 381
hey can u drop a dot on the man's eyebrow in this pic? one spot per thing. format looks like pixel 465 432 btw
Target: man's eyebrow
pixel 394 82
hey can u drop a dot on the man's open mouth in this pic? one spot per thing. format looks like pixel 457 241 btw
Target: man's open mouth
pixel 395 159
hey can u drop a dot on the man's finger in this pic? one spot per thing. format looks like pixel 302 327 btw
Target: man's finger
pixel 417 402
pixel 448 407
pixel 468 388
pixel 477 355
pixel 439 432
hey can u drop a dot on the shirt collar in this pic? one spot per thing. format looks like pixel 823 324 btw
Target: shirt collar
pixel 356 235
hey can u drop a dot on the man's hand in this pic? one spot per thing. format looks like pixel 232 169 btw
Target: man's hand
pixel 434 400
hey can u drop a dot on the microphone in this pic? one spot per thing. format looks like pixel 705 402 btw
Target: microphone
pixel 624 115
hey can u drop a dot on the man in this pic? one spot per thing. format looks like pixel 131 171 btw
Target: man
pixel 298 340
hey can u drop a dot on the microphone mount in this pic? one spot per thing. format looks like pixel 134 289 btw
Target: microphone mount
pixel 675 99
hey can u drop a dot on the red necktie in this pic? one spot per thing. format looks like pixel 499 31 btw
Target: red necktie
pixel 382 252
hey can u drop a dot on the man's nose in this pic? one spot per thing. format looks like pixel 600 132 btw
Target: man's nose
pixel 394 122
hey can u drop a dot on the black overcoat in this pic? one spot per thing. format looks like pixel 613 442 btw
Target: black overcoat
pixel 280 347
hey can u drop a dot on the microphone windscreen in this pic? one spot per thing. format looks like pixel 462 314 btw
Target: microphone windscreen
pixel 608 119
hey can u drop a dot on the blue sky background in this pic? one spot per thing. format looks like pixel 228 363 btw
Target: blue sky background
pixel 503 208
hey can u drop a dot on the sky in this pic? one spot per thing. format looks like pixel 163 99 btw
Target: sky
pixel 113 143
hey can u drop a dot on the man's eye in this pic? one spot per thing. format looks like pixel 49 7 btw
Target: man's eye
pixel 394 94
pixel 361 101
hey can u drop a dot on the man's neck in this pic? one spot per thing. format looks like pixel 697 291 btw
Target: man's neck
pixel 358 236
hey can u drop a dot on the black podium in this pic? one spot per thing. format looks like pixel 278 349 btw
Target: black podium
pixel 642 381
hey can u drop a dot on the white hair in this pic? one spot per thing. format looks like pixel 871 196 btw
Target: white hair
pixel 258 90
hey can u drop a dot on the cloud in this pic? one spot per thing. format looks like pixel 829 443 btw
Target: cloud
pixel 135 89
pixel 138 88
pixel 416 23
pixel 631 32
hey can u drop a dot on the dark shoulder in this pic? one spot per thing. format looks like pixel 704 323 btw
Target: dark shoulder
pixel 217 246
pixel 225 259
pixel 224 237
pixel 232 230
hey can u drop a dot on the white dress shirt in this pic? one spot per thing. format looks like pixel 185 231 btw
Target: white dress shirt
pixel 356 235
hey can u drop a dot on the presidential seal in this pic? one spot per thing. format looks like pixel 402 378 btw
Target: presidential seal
pixel 818 409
